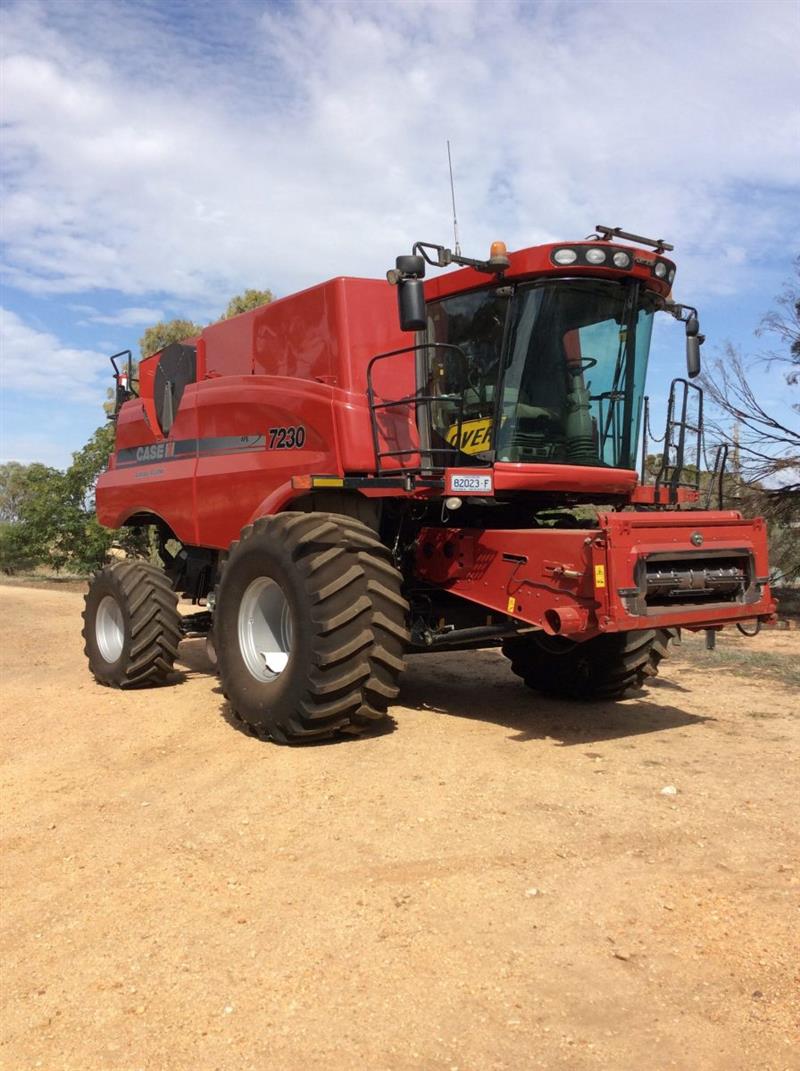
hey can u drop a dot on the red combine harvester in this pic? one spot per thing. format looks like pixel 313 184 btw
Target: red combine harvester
pixel 337 487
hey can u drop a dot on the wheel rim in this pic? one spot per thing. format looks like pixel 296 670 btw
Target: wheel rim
pixel 265 629
pixel 109 628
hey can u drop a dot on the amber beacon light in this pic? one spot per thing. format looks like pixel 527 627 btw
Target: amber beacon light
pixel 498 254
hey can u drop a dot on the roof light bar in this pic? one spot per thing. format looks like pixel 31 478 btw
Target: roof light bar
pixel 609 233
pixel 609 256
pixel 564 256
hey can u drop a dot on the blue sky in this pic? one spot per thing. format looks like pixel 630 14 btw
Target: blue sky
pixel 159 157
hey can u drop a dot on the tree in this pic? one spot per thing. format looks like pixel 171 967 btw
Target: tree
pixel 13 489
pixel 784 323
pixel 161 334
pixel 250 299
pixel 764 448
pixel 50 515
pixel 29 513
pixel 47 517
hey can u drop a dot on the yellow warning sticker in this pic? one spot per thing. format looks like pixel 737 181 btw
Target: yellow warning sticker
pixel 476 435
pixel 512 604
pixel 599 576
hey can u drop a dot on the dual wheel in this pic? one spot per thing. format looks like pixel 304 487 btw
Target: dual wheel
pixel 605 667
pixel 309 626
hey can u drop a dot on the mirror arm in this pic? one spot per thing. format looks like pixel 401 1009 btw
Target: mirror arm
pixel 682 313
pixel 445 257
pixel 687 314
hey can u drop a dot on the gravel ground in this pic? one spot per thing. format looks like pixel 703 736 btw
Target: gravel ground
pixel 499 882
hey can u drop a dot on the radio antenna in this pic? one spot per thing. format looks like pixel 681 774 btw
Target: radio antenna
pixel 457 249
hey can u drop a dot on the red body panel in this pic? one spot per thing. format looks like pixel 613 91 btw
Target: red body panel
pixel 136 423
pixel 298 362
pixel 534 574
pixel 231 487
pixel 509 476
pixel 631 537
pixel 512 571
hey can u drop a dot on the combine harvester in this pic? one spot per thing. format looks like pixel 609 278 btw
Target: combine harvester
pixel 337 487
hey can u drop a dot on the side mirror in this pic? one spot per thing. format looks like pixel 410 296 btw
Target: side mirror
pixel 410 265
pixel 693 342
pixel 407 277
pixel 411 305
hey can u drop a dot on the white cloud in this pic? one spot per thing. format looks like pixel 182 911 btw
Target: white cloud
pixel 309 140
pixel 35 362
pixel 131 317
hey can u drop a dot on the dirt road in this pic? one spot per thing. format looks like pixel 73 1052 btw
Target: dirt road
pixel 498 883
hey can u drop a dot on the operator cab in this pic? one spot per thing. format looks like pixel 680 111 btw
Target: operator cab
pixel 547 363
pixel 555 370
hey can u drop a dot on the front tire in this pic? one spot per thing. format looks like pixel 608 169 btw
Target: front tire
pixel 309 627
pixel 605 667
pixel 131 625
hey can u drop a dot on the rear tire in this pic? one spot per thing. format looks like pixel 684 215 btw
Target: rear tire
pixel 309 626
pixel 605 667
pixel 131 625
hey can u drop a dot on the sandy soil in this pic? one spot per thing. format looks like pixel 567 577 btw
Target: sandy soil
pixel 497 883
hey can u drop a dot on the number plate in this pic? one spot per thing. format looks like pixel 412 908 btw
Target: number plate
pixel 461 483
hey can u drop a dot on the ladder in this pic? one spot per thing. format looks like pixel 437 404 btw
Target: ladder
pixel 683 438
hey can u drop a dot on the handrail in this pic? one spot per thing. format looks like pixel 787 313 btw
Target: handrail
pixel 123 393
pixel 670 474
pixel 413 399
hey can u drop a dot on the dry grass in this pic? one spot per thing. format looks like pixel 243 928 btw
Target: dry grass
pixel 740 655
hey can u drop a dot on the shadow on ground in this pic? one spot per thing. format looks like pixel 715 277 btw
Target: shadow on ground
pixel 480 687
pixel 498 698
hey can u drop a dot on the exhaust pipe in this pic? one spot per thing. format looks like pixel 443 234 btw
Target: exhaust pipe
pixel 566 621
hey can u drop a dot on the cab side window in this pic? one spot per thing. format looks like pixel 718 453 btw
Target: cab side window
pixel 177 366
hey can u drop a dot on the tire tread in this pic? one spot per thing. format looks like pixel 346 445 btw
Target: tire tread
pixel 603 668
pixel 358 616
pixel 152 608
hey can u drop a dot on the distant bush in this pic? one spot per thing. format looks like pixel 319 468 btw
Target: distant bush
pixel 47 516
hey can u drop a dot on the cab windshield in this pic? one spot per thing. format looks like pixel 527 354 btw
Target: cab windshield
pixel 554 372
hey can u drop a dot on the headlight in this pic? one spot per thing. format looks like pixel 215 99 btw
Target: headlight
pixel 565 256
pixel 621 259
pixel 671 276
pixel 660 269
pixel 595 256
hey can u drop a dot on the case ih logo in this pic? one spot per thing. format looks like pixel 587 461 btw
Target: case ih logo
pixel 156 452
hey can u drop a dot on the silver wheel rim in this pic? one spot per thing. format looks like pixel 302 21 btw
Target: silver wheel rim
pixel 265 629
pixel 109 628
